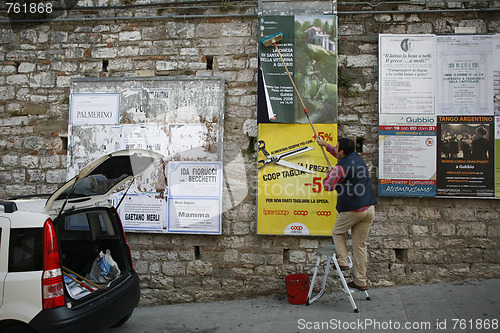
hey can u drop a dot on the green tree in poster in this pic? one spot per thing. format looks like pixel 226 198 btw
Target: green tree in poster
pixel 316 73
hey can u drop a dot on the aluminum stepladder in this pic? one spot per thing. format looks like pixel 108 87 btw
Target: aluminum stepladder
pixel 329 251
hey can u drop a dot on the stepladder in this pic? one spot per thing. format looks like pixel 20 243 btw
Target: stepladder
pixel 329 252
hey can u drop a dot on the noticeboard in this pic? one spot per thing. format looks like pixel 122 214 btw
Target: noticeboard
pixel 178 117
pixel 439 113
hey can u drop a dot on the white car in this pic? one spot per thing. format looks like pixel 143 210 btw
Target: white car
pixel 65 265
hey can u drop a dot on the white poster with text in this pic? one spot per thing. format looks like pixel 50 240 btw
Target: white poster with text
pixel 194 198
pixel 406 74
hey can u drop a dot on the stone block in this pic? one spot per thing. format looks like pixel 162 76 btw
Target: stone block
pixel 486 271
pixel 50 162
pixel 453 271
pixel 265 270
pixel 398 271
pixel 173 268
pixel 479 24
pixel 28 36
pixel 182 30
pixel 35 176
pixel 471 229
pixel 252 259
pixel 363 60
pixel 8 69
pixel 166 65
pixel 59 37
pixel 10 160
pixel 445 229
pixel 240 271
pixel 29 161
pixel 199 267
pixel 186 255
pixel 382 18
pixel 105 53
pixel 351 30
pixel 231 255
pixel 419 28
pixel 57 176
pixel 297 256
pixel 43 80
pixel 384 228
pixel 141 267
pixel 207 30
pixel 120 65
pixel 381 255
pixel 241 228
pixel 62 81
pixel 232 286
pixel 236 29
pixel 125 36
pixel 309 244
pixel 414 256
pixel 18 79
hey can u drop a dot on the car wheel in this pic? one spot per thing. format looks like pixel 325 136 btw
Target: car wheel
pixel 123 320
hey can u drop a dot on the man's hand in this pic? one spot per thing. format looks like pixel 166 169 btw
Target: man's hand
pixel 321 142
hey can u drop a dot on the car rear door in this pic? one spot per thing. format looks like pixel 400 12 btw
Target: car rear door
pixel 4 252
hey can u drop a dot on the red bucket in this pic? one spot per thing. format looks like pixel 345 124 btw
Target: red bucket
pixel 297 288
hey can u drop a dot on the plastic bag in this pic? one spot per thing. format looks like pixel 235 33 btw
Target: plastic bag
pixel 104 268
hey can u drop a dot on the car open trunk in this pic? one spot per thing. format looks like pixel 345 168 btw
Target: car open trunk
pixel 84 236
pixel 94 253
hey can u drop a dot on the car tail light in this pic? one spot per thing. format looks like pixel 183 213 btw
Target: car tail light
pixel 52 278
pixel 125 240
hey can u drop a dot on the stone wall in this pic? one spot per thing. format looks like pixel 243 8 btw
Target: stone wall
pixel 412 240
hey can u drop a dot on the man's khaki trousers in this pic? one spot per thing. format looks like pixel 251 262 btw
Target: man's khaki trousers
pixel 360 224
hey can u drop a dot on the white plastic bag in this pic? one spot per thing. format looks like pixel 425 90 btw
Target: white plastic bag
pixel 104 268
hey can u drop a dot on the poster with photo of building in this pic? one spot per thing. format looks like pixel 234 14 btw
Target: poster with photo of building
pixel 308 51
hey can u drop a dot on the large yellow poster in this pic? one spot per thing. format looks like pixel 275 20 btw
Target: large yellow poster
pixel 291 198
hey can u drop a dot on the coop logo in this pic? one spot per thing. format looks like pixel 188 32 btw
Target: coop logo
pixel 276 212
pixel 300 212
pixel 296 229
pixel 420 120
pixel 325 213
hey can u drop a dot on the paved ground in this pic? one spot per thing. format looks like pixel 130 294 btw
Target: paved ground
pixel 472 306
